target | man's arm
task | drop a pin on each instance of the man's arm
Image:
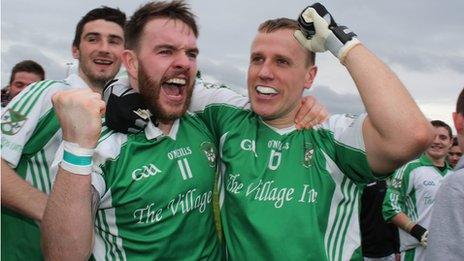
(395, 130)
(67, 227)
(127, 113)
(393, 211)
(20, 196)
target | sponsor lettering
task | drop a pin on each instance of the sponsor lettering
(148, 214)
(190, 200)
(268, 191)
(177, 153)
(309, 195)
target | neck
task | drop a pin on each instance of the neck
(165, 126)
(282, 122)
(96, 86)
(438, 162)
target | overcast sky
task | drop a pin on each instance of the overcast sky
(421, 40)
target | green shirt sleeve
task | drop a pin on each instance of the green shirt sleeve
(394, 201)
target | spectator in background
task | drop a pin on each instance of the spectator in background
(447, 222)
(22, 74)
(31, 133)
(454, 153)
(411, 194)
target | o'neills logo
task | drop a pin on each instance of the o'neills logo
(210, 152)
(308, 154)
(12, 122)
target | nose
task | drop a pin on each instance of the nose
(104, 47)
(182, 61)
(265, 72)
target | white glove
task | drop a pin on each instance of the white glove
(319, 32)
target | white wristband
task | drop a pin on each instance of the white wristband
(76, 159)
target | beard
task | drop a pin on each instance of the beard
(150, 91)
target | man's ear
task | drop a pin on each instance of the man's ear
(458, 122)
(310, 76)
(75, 52)
(130, 61)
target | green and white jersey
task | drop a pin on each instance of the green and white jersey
(30, 137)
(288, 194)
(412, 191)
(156, 194)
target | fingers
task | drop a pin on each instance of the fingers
(79, 112)
(310, 113)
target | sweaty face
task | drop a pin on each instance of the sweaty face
(440, 145)
(454, 155)
(277, 76)
(167, 66)
(99, 51)
(20, 81)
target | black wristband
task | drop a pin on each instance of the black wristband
(417, 231)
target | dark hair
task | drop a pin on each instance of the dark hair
(438, 123)
(175, 10)
(460, 103)
(105, 13)
(273, 25)
(27, 66)
(455, 141)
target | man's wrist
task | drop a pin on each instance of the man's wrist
(409, 226)
(76, 159)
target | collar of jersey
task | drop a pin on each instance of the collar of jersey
(424, 160)
(75, 81)
(282, 131)
(153, 132)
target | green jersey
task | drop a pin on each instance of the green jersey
(289, 194)
(156, 192)
(30, 137)
(412, 190)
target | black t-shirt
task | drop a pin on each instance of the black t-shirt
(378, 238)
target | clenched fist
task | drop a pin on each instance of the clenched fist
(79, 112)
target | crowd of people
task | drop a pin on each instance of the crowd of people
(159, 165)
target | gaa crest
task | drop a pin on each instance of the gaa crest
(12, 122)
(210, 152)
(308, 154)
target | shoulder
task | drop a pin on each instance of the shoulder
(109, 146)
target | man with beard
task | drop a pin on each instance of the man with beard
(151, 191)
(31, 133)
(291, 195)
(411, 194)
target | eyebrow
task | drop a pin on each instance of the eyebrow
(99, 34)
(286, 58)
(172, 47)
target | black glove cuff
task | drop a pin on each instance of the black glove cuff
(417, 231)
